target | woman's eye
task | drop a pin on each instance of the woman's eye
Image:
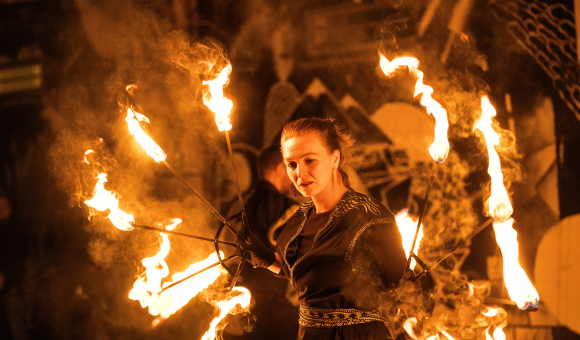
(291, 165)
(310, 161)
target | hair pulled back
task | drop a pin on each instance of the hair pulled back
(333, 136)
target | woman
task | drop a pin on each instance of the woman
(342, 250)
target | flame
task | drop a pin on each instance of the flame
(498, 333)
(214, 99)
(86, 153)
(440, 147)
(171, 300)
(148, 286)
(408, 327)
(519, 287)
(225, 307)
(104, 199)
(152, 149)
(499, 205)
(407, 228)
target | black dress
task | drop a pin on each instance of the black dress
(356, 256)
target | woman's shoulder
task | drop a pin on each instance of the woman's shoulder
(357, 205)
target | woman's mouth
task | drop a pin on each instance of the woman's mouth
(305, 184)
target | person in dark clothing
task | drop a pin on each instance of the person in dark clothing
(342, 250)
(267, 209)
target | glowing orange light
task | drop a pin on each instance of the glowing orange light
(171, 300)
(225, 307)
(214, 99)
(519, 287)
(439, 150)
(407, 228)
(498, 333)
(148, 285)
(152, 149)
(104, 199)
(499, 205)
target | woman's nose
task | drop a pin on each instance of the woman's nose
(299, 171)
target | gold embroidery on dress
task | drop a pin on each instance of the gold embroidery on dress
(324, 318)
(348, 255)
(354, 200)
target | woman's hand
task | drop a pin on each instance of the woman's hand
(260, 256)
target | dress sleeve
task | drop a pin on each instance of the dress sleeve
(378, 250)
(285, 271)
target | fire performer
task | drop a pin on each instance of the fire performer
(342, 250)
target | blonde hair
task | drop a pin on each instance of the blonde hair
(334, 137)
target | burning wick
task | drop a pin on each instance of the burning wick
(214, 99)
(152, 149)
(439, 150)
(519, 287)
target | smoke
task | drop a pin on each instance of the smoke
(129, 44)
(452, 212)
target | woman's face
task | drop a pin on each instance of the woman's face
(309, 164)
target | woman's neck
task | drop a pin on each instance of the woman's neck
(329, 198)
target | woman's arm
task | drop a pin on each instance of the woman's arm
(379, 249)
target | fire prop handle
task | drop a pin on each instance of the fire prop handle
(452, 250)
(203, 200)
(221, 218)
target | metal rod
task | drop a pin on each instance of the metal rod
(238, 272)
(452, 250)
(146, 227)
(245, 225)
(203, 200)
(529, 307)
(233, 217)
(238, 189)
(500, 301)
(410, 257)
(198, 272)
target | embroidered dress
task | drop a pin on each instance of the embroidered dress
(355, 257)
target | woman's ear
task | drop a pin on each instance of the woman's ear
(336, 159)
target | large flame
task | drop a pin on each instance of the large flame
(407, 228)
(148, 285)
(170, 301)
(440, 147)
(104, 199)
(499, 205)
(152, 149)
(225, 307)
(519, 287)
(214, 99)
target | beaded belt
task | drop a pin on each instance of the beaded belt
(323, 318)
